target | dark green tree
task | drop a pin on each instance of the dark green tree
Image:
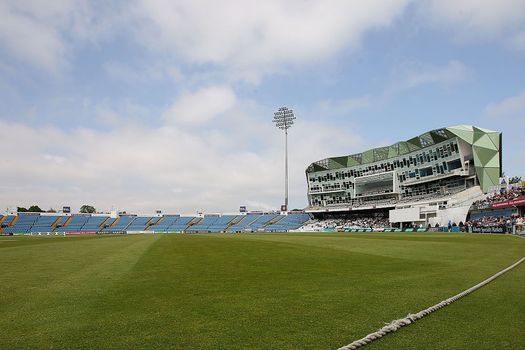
(35, 209)
(515, 180)
(21, 209)
(87, 209)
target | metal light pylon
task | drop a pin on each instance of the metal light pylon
(284, 119)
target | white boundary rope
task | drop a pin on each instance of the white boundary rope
(396, 324)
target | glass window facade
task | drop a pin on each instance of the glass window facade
(437, 163)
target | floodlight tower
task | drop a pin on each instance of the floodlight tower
(283, 119)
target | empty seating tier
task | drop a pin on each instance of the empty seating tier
(74, 224)
(140, 223)
(45, 223)
(8, 220)
(202, 225)
(120, 225)
(181, 224)
(222, 223)
(164, 223)
(87, 223)
(94, 224)
(289, 222)
(23, 224)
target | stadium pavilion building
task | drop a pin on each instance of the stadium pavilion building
(429, 179)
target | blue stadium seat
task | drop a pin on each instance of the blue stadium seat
(287, 223)
(212, 224)
(45, 223)
(120, 224)
(165, 222)
(74, 224)
(140, 223)
(8, 220)
(181, 224)
(202, 225)
(252, 223)
(94, 224)
(23, 224)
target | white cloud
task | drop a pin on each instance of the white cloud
(474, 19)
(253, 37)
(54, 158)
(29, 38)
(511, 107)
(42, 33)
(241, 39)
(201, 106)
(141, 168)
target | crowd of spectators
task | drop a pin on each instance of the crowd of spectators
(351, 223)
(491, 221)
(505, 195)
(502, 221)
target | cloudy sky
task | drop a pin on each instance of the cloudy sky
(168, 104)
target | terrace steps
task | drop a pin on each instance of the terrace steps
(150, 222)
(115, 222)
(154, 221)
(108, 223)
(237, 220)
(194, 221)
(103, 224)
(276, 220)
(67, 221)
(56, 222)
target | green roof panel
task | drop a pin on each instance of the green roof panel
(403, 148)
(467, 136)
(414, 144)
(317, 167)
(495, 138)
(426, 139)
(462, 127)
(438, 136)
(485, 146)
(357, 157)
(484, 154)
(381, 153)
(342, 161)
(486, 142)
(494, 162)
(477, 134)
(368, 156)
(493, 176)
(393, 151)
(350, 161)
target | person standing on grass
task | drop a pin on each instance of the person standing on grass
(519, 224)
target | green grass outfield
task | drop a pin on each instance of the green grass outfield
(258, 291)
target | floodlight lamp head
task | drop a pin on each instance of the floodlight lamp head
(283, 118)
